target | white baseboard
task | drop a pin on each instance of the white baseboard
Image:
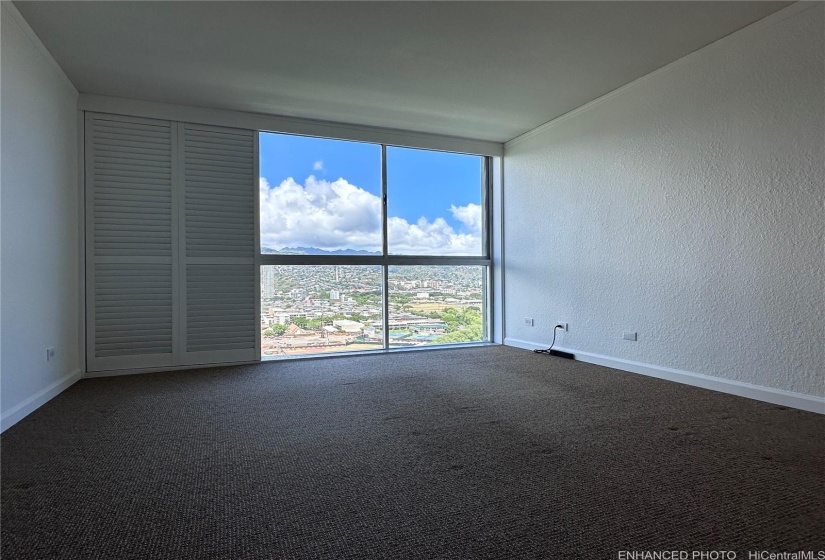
(767, 394)
(518, 343)
(20, 411)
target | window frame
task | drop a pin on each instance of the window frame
(386, 260)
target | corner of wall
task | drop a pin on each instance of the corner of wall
(9, 10)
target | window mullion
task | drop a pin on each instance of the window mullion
(487, 217)
(385, 272)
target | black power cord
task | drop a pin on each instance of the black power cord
(548, 350)
(556, 353)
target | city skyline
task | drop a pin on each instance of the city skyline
(309, 309)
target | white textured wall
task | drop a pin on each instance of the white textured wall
(39, 237)
(689, 207)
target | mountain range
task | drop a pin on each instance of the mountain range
(314, 251)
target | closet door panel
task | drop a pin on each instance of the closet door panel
(131, 242)
(219, 214)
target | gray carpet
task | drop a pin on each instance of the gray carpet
(486, 452)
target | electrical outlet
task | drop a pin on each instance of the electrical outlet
(49, 354)
(627, 335)
(528, 321)
(563, 326)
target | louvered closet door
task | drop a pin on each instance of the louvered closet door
(131, 248)
(219, 316)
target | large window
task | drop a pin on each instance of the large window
(436, 304)
(326, 308)
(434, 203)
(365, 246)
(319, 196)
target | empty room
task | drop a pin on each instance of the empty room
(334, 279)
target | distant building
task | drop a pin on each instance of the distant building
(298, 294)
(268, 282)
(334, 294)
(429, 328)
(349, 326)
(295, 330)
(411, 321)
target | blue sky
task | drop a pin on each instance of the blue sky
(426, 183)
(343, 199)
(285, 156)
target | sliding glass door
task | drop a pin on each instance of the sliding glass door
(366, 246)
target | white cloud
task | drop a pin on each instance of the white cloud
(469, 215)
(318, 165)
(429, 238)
(339, 215)
(323, 214)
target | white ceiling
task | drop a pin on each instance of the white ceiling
(483, 70)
